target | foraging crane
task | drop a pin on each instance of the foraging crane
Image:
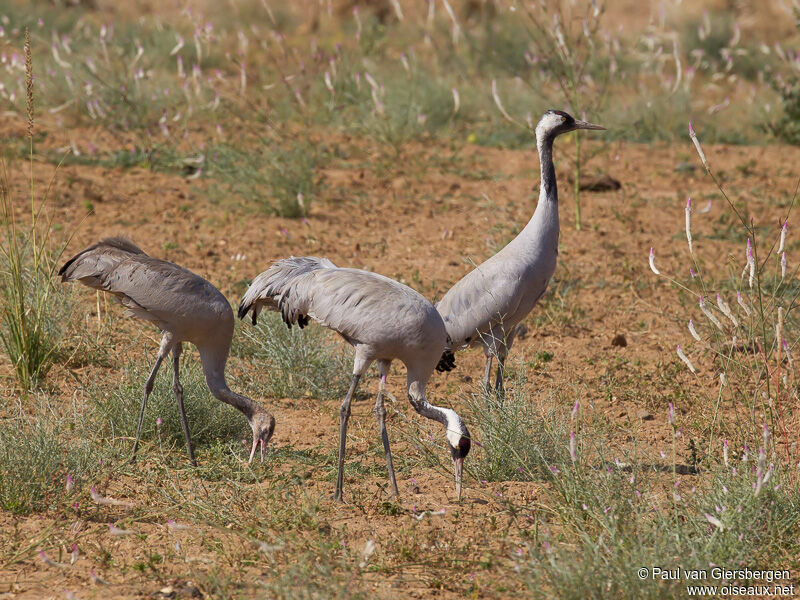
(186, 308)
(486, 305)
(382, 319)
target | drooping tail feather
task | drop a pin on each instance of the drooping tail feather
(270, 287)
(447, 362)
(91, 264)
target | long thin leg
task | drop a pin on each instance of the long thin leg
(380, 413)
(344, 415)
(178, 389)
(487, 370)
(501, 367)
(163, 351)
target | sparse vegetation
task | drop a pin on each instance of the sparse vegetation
(519, 438)
(744, 336)
(295, 363)
(31, 323)
(210, 421)
(621, 514)
(46, 460)
(224, 137)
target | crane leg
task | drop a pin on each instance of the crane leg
(487, 370)
(163, 351)
(344, 415)
(178, 389)
(380, 413)
(501, 367)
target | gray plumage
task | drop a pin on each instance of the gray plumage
(485, 307)
(381, 318)
(186, 308)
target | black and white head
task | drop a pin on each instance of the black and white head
(263, 425)
(556, 122)
(459, 442)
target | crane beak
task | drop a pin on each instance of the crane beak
(253, 450)
(257, 442)
(458, 467)
(586, 125)
(261, 436)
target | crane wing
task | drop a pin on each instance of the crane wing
(92, 264)
(150, 288)
(476, 303)
(267, 288)
(357, 304)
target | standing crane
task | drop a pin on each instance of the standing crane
(382, 319)
(186, 308)
(486, 305)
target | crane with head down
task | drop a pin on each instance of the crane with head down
(382, 319)
(186, 308)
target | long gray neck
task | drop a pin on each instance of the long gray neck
(545, 217)
(453, 425)
(428, 410)
(214, 370)
(548, 188)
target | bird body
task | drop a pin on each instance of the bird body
(186, 307)
(382, 319)
(170, 296)
(354, 303)
(486, 305)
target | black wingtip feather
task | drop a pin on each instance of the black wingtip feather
(63, 270)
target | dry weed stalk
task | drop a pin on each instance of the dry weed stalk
(747, 349)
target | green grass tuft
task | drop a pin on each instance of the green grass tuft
(38, 449)
(295, 363)
(210, 421)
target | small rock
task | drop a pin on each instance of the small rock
(619, 341)
(191, 591)
(167, 591)
(398, 184)
(644, 415)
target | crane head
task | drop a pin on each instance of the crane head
(263, 425)
(556, 122)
